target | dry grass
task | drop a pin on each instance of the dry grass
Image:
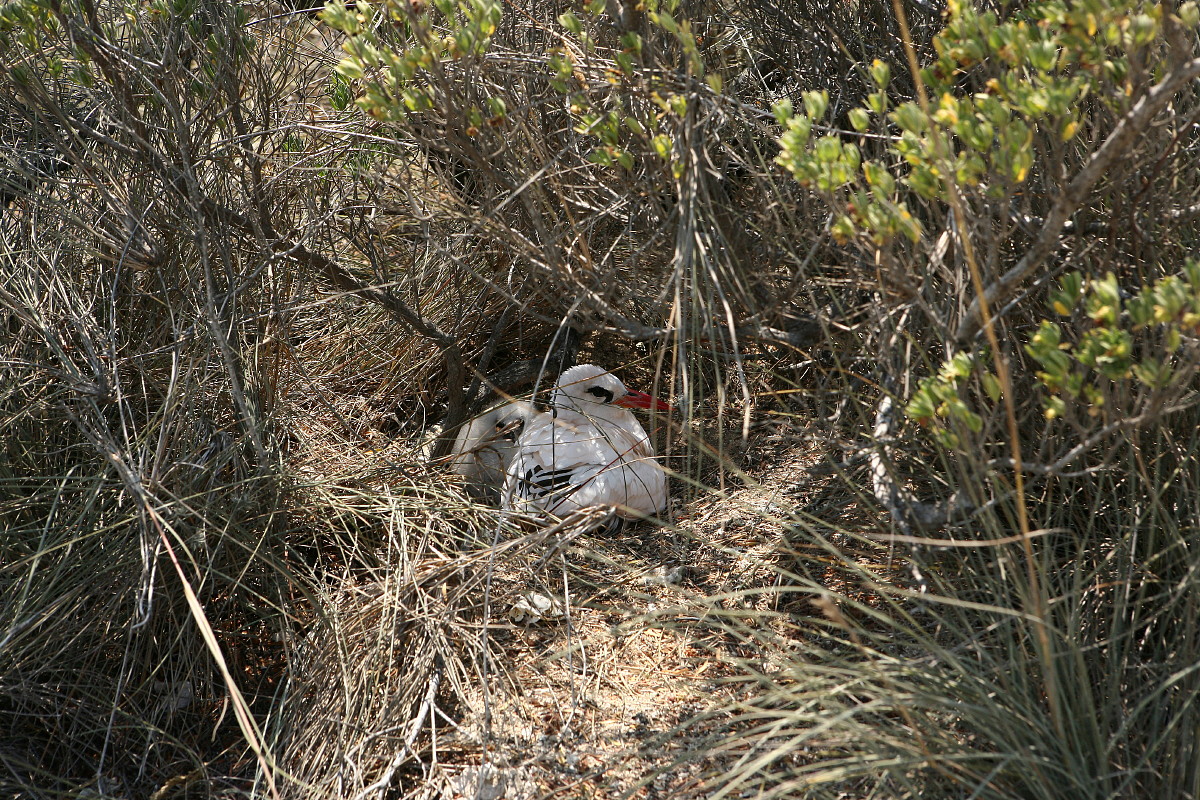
(601, 697)
(229, 332)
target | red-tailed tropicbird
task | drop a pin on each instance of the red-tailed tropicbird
(588, 450)
(485, 447)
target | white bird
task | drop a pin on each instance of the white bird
(588, 450)
(485, 447)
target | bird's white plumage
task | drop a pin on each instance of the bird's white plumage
(586, 452)
(485, 447)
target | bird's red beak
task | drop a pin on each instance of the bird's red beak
(642, 400)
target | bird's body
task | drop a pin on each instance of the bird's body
(588, 450)
(485, 447)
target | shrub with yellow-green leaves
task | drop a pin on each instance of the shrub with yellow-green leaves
(996, 83)
(397, 73)
(621, 114)
(1139, 339)
(996, 123)
(1108, 344)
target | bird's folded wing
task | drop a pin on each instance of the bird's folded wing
(636, 485)
(635, 488)
(565, 463)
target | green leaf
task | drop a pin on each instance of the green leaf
(843, 229)
(909, 117)
(879, 178)
(816, 103)
(828, 149)
(601, 156)
(991, 385)
(665, 21)
(1153, 373)
(1044, 55)
(1055, 407)
(571, 22)
(349, 68)
(1104, 300)
(1044, 344)
(959, 367)
(1191, 271)
(1189, 14)
(1174, 339)
(1064, 300)
(880, 73)
(921, 407)
(782, 109)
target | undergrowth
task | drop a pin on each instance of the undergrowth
(922, 283)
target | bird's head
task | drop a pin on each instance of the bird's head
(587, 386)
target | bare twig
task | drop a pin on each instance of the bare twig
(406, 752)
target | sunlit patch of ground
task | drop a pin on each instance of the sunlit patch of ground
(623, 693)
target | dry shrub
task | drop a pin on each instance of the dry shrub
(232, 308)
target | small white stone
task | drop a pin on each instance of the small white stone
(533, 607)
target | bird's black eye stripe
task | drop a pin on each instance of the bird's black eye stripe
(602, 393)
(509, 431)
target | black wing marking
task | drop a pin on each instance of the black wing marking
(538, 482)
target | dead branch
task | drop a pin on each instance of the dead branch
(902, 505)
